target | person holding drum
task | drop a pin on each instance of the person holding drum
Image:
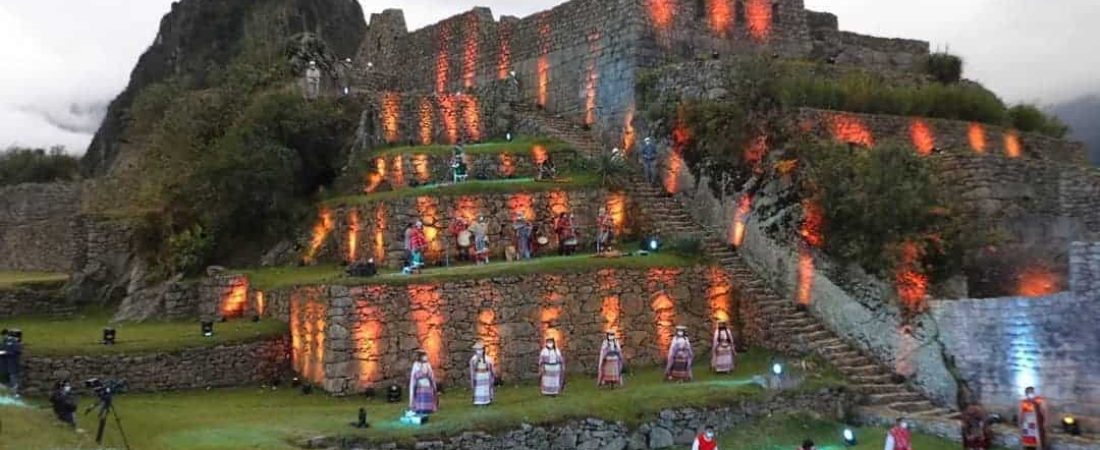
(566, 230)
(480, 230)
(463, 237)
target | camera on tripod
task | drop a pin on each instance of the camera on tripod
(105, 388)
(105, 391)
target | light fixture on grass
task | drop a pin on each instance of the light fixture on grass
(207, 328)
(849, 437)
(1071, 426)
(109, 336)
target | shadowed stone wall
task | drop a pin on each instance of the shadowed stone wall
(38, 226)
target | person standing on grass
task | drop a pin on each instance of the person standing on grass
(551, 369)
(482, 376)
(64, 403)
(649, 160)
(722, 351)
(680, 356)
(523, 236)
(898, 438)
(313, 80)
(11, 354)
(480, 229)
(415, 244)
(1033, 421)
(422, 388)
(705, 440)
(610, 366)
(605, 230)
(976, 431)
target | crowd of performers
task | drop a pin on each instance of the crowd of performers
(471, 239)
(423, 397)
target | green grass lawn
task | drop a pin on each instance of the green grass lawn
(81, 335)
(788, 432)
(473, 187)
(9, 279)
(284, 277)
(521, 144)
(275, 419)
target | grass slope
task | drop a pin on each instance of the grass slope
(568, 182)
(81, 335)
(284, 277)
(263, 418)
(11, 279)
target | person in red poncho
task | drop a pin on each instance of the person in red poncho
(898, 437)
(705, 440)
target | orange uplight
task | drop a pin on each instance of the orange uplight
(471, 117)
(611, 310)
(850, 129)
(754, 154)
(260, 303)
(1038, 282)
(1012, 145)
(470, 52)
(543, 67)
(911, 284)
(616, 207)
(391, 116)
(921, 135)
(681, 136)
(976, 134)
(295, 333)
(591, 80)
(379, 233)
(628, 130)
(504, 63)
(353, 234)
(426, 124)
(234, 302)
(308, 338)
(662, 12)
(813, 222)
(398, 170)
(719, 294)
(664, 313)
(376, 178)
(551, 313)
(448, 112)
(442, 65)
(468, 208)
(522, 203)
(538, 153)
(368, 344)
(427, 314)
(422, 168)
(321, 231)
(758, 18)
(720, 16)
(740, 217)
(559, 202)
(805, 276)
(428, 208)
(488, 333)
(507, 165)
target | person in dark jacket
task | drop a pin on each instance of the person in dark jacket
(649, 160)
(64, 402)
(12, 361)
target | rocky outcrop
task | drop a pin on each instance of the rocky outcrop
(197, 35)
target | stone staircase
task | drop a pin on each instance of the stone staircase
(536, 121)
(804, 332)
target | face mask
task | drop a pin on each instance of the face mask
(904, 426)
(424, 360)
(66, 389)
(481, 353)
(710, 435)
(1030, 396)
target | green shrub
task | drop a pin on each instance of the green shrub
(25, 165)
(944, 67)
(1029, 118)
(685, 245)
(611, 170)
(189, 250)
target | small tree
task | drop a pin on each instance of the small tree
(1030, 118)
(944, 67)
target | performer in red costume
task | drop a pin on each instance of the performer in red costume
(898, 437)
(1033, 421)
(705, 440)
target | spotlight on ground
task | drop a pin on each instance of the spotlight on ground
(207, 328)
(849, 437)
(777, 369)
(307, 389)
(108, 336)
(295, 382)
(508, 137)
(393, 394)
(1071, 426)
(651, 244)
(412, 418)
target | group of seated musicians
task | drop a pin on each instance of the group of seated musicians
(460, 170)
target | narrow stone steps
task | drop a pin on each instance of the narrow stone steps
(917, 407)
(878, 389)
(890, 398)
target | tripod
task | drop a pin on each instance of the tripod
(106, 406)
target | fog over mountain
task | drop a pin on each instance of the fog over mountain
(1083, 116)
(65, 59)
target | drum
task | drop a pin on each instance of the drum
(543, 240)
(571, 242)
(465, 239)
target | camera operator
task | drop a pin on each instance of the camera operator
(64, 402)
(10, 355)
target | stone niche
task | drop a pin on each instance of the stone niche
(377, 229)
(350, 338)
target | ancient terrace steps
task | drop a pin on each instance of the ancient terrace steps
(801, 330)
(537, 121)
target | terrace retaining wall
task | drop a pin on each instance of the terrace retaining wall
(39, 299)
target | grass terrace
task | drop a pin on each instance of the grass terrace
(274, 278)
(14, 279)
(524, 143)
(277, 418)
(81, 335)
(569, 182)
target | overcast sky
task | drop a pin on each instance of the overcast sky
(66, 59)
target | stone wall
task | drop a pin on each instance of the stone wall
(350, 338)
(671, 427)
(947, 135)
(197, 368)
(39, 299)
(380, 226)
(866, 51)
(38, 223)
